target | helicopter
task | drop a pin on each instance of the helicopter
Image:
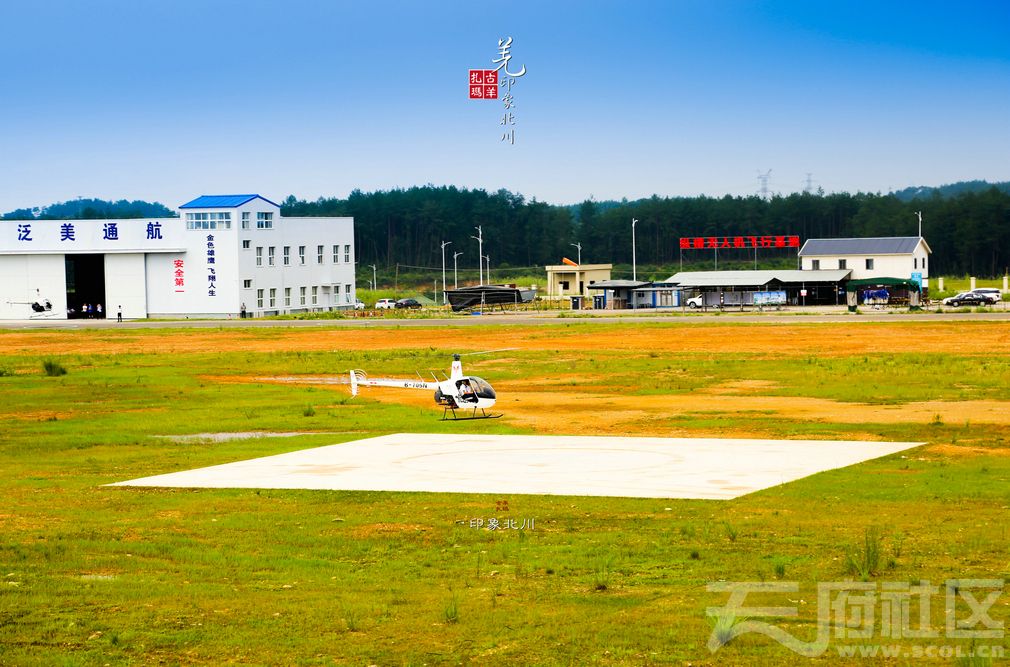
(41, 308)
(467, 393)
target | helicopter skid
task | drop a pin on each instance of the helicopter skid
(473, 415)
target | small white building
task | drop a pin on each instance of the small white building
(885, 257)
(223, 252)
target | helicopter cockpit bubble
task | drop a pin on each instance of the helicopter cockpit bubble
(481, 387)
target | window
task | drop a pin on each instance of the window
(923, 263)
(347, 293)
(246, 243)
(815, 265)
(259, 255)
(264, 220)
(245, 220)
(869, 263)
(271, 251)
(259, 298)
(319, 254)
(301, 293)
(564, 285)
(915, 262)
(287, 296)
(287, 255)
(347, 254)
(841, 264)
(336, 254)
(208, 221)
(273, 297)
(315, 295)
(247, 284)
(301, 255)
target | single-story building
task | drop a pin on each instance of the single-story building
(738, 287)
(575, 279)
(621, 294)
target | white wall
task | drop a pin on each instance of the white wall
(295, 232)
(884, 266)
(125, 285)
(28, 278)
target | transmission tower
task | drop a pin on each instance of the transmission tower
(808, 186)
(763, 180)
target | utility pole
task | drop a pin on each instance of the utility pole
(579, 246)
(444, 244)
(374, 286)
(634, 263)
(455, 280)
(480, 252)
(919, 213)
(487, 274)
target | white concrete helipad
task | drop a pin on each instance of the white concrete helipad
(554, 465)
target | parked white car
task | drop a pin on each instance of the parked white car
(991, 293)
(383, 304)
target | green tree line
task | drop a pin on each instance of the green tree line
(968, 229)
(969, 232)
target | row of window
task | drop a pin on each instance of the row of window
(302, 292)
(843, 264)
(223, 220)
(263, 220)
(208, 220)
(320, 254)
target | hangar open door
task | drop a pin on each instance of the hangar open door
(85, 285)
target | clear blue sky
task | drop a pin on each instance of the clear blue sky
(168, 100)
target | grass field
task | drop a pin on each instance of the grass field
(99, 575)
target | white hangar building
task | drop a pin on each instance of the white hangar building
(222, 252)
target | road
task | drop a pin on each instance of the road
(811, 314)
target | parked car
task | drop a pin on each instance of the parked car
(991, 293)
(383, 304)
(966, 299)
(408, 303)
(696, 301)
(359, 305)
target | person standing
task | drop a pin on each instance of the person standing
(119, 313)
(242, 312)
(98, 311)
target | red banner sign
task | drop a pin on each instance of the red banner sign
(730, 242)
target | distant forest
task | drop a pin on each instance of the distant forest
(969, 232)
(966, 224)
(92, 209)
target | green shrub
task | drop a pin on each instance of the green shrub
(53, 368)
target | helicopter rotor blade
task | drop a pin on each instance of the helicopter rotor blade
(504, 349)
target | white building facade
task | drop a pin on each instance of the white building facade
(905, 257)
(223, 255)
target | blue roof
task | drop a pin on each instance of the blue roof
(223, 201)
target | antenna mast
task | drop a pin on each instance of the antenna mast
(763, 180)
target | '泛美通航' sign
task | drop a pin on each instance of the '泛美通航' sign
(729, 242)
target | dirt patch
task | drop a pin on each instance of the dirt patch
(956, 451)
(225, 437)
(842, 338)
(385, 529)
(739, 387)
